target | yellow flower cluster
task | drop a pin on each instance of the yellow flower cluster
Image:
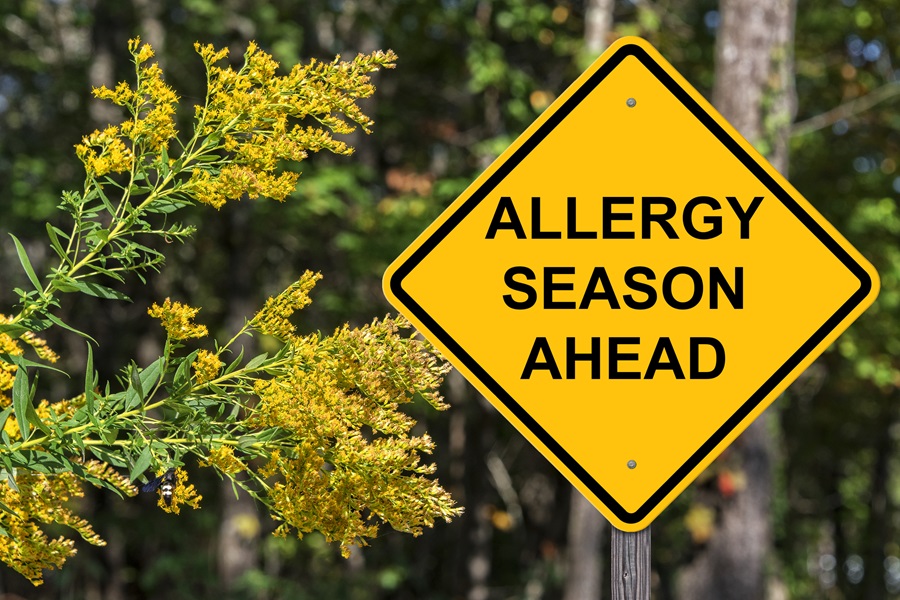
(253, 109)
(337, 480)
(206, 366)
(224, 460)
(8, 345)
(385, 365)
(307, 500)
(176, 319)
(152, 104)
(43, 351)
(50, 413)
(39, 498)
(154, 122)
(104, 472)
(183, 493)
(235, 180)
(275, 316)
(104, 152)
(142, 53)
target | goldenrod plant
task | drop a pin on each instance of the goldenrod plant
(314, 432)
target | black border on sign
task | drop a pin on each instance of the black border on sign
(865, 282)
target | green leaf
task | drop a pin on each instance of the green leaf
(133, 394)
(257, 360)
(37, 323)
(100, 291)
(183, 372)
(54, 234)
(108, 457)
(142, 381)
(167, 206)
(40, 461)
(13, 330)
(26, 264)
(110, 436)
(21, 400)
(65, 284)
(52, 464)
(5, 415)
(106, 202)
(9, 476)
(246, 440)
(267, 435)
(164, 162)
(141, 464)
(150, 375)
(236, 362)
(5, 508)
(89, 383)
(23, 362)
(31, 413)
(111, 274)
(97, 237)
(57, 321)
(77, 441)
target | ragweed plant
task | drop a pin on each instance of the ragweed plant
(314, 432)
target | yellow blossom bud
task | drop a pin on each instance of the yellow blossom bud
(206, 366)
(176, 319)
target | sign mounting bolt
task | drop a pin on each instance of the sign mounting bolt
(631, 102)
(632, 464)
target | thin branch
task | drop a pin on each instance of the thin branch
(846, 110)
(504, 485)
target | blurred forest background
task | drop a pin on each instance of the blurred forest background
(805, 505)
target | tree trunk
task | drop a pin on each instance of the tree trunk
(732, 566)
(598, 20)
(237, 549)
(878, 526)
(150, 28)
(754, 92)
(239, 535)
(584, 555)
(754, 87)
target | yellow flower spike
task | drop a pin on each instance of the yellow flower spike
(182, 493)
(224, 460)
(252, 107)
(155, 108)
(113, 155)
(274, 318)
(176, 320)
(336, 480)
(106, 473)
(144, 54)
(209, 54)
(206, 366)
(40, 499)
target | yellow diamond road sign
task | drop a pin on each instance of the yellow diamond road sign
(631, 283)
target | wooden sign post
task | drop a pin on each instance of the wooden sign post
(630, 564)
